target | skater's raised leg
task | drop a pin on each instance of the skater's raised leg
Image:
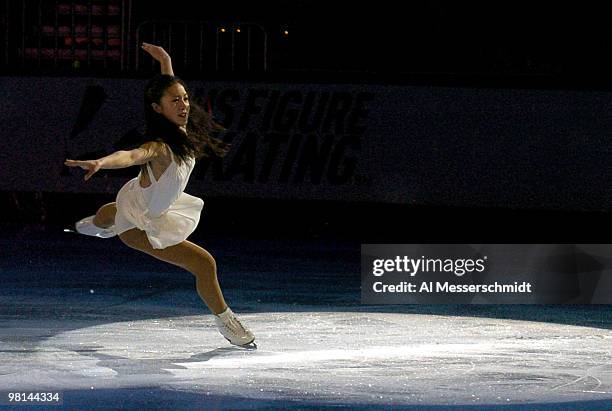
(100, 224)
(105, 217)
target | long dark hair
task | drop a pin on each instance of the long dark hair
(201, 139)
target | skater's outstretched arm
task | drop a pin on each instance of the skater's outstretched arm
(120, 159)
(159, 54)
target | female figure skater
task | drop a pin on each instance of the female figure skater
(152, 213)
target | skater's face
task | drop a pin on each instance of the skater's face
(174, 105)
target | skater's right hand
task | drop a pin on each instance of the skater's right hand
(92, 166)
(158, 53)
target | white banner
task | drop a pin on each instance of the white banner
(410, 145)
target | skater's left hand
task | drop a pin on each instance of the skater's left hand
(92, 166)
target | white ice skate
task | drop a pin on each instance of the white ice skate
(87, 227)
(233, 330)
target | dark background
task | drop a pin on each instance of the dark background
(517, 43)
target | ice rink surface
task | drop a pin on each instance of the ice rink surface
(110, 328)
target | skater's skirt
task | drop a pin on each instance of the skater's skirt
(170, 228)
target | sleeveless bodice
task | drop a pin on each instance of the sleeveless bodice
(163, 210)
(162, 193)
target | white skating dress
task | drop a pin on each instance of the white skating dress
(166, 214)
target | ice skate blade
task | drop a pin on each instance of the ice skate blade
(248, 346)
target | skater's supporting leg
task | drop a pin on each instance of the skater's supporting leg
(189, 256)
